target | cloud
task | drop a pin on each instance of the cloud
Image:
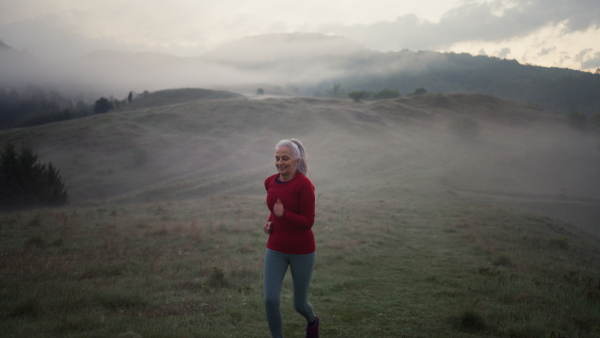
(580, 14)
(582, 54)
(546, 51)
(588, 59)
(52, 38)
(44, 37)
(503, 53)
(592, 62)
(474, 21)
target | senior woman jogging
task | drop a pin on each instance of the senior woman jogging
(291, 200)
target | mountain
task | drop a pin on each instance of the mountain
(560, 90)
(181, 144)
(311, 65)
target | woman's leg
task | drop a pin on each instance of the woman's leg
(302, 268)
(276, 264)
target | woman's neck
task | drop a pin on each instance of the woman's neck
(287, 178)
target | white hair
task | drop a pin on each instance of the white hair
(298, 152)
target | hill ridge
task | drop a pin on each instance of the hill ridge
(177, 96)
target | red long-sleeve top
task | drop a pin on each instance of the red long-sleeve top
(292, 232)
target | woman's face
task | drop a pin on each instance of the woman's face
(285, 162)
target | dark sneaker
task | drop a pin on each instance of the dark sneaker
(312, 329)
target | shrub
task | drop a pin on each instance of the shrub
(26, 182)
(419, 91)
(102, 105)
(472, 321)
(358, 95)
(217, 278)
(387, 94)
(502, 260)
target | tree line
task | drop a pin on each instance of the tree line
(34, 106)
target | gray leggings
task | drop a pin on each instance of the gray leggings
(276, 264)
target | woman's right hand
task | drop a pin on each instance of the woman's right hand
(268, 227)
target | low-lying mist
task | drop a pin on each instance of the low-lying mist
(432, 147)
(277, 60)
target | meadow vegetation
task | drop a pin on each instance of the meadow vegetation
(423, 229)
(385, 266)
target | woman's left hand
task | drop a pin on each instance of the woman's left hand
(278, 208)
(268, 228)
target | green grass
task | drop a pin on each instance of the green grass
(385, 267)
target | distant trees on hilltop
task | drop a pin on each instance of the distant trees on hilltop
(102, 105)
(25, 108)
(359, 95)
(33, 106)
(338, 92)
(419, 91)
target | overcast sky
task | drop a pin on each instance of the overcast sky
(551, 33)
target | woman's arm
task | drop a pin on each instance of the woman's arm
(306, 218)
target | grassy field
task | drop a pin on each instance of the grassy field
(386, 267)
(423, 230)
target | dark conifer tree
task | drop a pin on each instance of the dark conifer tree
(24, 181)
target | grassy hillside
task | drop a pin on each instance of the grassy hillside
(190, 143)
(440, 215)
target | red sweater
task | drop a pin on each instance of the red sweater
(292, 232)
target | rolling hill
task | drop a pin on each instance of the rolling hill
(186, 143)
